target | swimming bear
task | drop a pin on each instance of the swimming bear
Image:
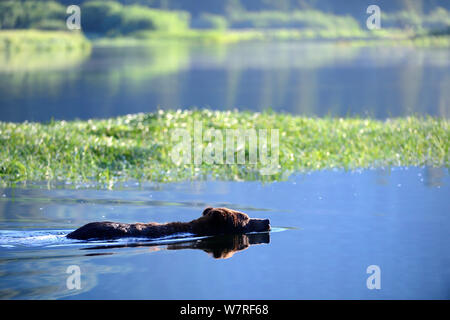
(214, 221)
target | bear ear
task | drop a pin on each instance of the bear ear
(206, 211)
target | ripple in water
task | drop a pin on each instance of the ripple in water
(56, 238)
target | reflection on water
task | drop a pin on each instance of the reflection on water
(433, 176)
(335, 225)
(300, 78)
(224, 247)
(430, 176)
(20, 62)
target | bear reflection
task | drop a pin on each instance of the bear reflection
(218, 247)
(224, 246)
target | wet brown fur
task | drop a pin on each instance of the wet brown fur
(213, 221)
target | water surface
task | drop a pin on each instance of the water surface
(312, 79)
(328, 227)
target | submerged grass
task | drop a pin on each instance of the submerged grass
(139, 146)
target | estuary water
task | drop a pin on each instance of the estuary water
(328, 228)
(311, 79)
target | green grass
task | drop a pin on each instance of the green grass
(138, 146)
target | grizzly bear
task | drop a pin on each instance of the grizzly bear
(214, 221)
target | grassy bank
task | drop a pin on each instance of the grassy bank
(41, 42)
(139, 146)
(349, 37)
(232, 36)
(420, 41)
(13, 41)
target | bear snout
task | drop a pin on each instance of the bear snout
(258, 225)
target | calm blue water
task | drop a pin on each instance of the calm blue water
(313, 79)
(329, 226)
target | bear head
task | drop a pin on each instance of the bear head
(227, 221)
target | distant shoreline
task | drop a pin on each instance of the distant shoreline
(39, 41)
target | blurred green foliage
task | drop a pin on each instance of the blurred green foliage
(136, 19)
(308, 19)
(437, 19)
(103, 17)
(112, 18)
(32, 14)
(210, 21)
